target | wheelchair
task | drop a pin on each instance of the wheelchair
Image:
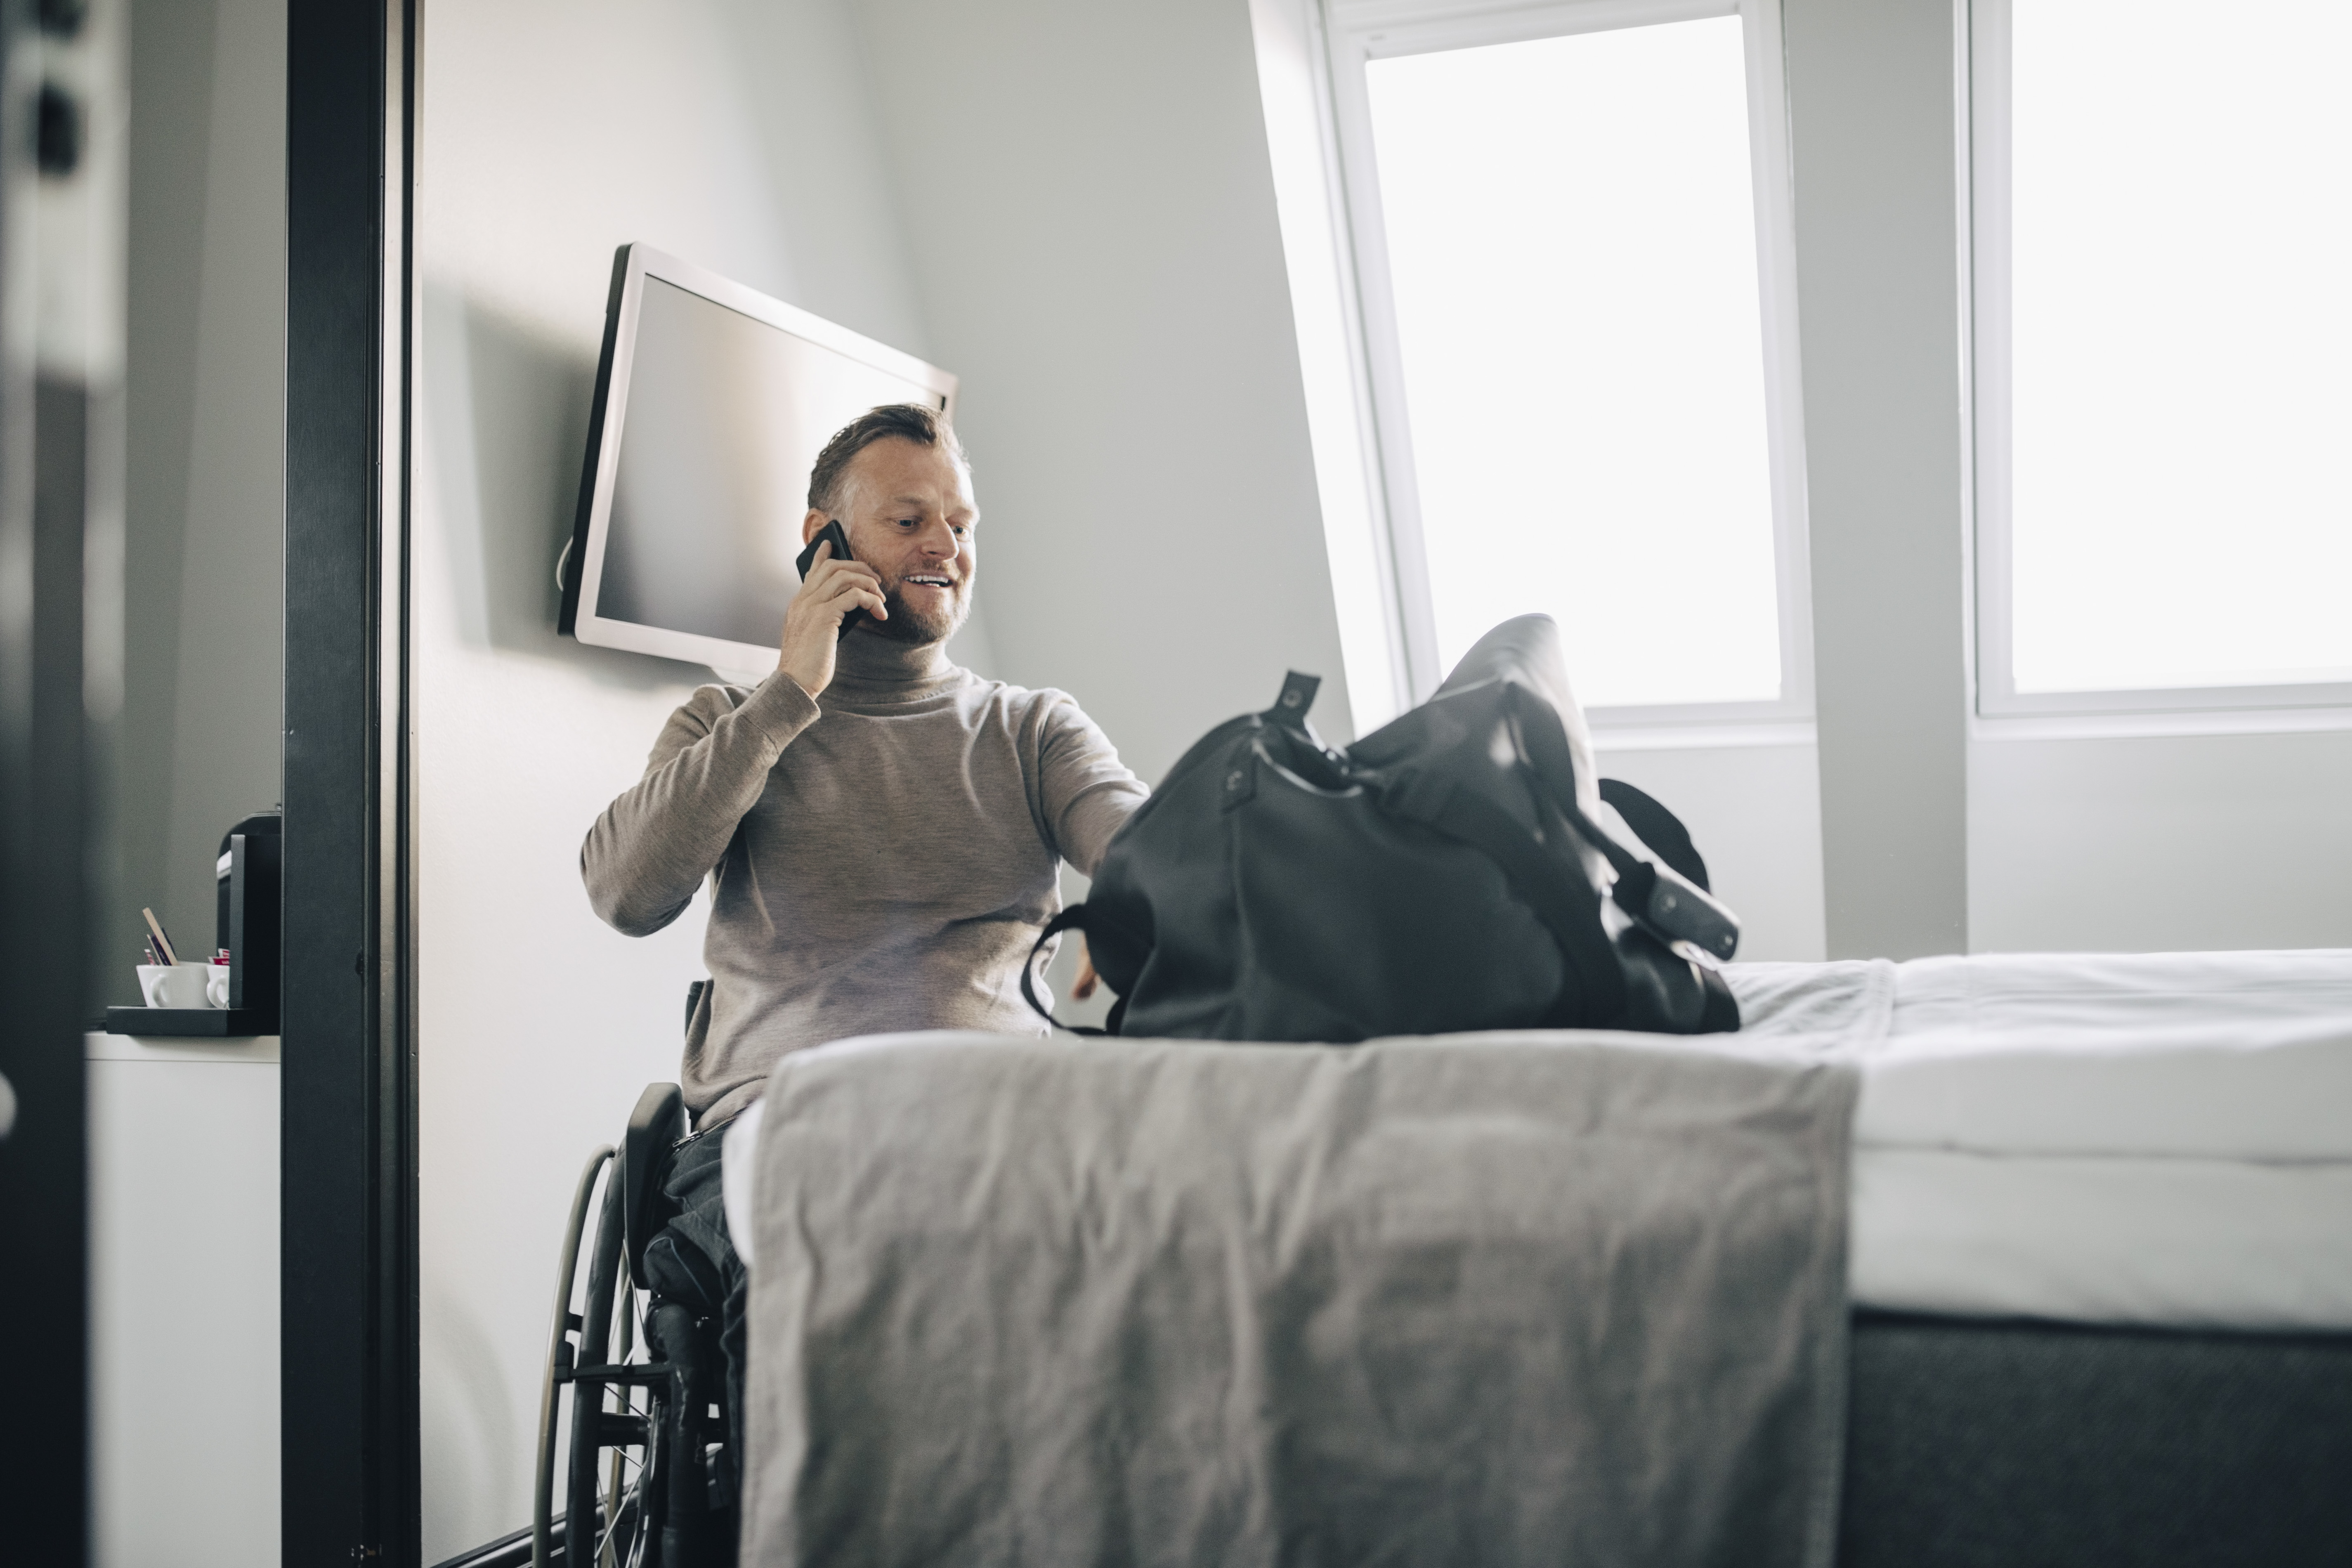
(648, 1479)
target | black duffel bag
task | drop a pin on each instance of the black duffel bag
(1455, 869)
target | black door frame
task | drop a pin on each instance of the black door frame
(347, 1284)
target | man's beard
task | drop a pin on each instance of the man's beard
(918, 628)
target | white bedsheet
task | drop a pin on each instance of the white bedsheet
(2243, 1056)
(2158, 1139)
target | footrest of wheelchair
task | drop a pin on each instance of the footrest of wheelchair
(637, 1373)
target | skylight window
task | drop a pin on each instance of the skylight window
(2163, 341)
(1569, 325)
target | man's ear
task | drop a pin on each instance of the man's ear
(811, 523)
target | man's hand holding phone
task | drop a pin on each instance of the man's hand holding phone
(831, 589)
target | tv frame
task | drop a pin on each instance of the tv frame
(582, 571)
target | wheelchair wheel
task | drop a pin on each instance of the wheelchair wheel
(637, 1491)
(615, 1437)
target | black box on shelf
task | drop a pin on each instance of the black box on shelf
(248, 902)
(245, 915)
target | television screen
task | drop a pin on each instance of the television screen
(712, 402)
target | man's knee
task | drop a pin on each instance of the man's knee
(691, 1258)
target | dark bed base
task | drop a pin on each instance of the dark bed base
(2015, 1444)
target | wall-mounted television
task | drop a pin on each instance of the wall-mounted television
(712, 402)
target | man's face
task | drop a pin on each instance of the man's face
(908, 513)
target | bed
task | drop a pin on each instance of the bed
(2096, 1243)
(2101, 1254)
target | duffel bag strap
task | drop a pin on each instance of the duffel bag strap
(1594, 986)
(1072, 919)
(1676, 910)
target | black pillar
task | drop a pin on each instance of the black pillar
(348, 1277)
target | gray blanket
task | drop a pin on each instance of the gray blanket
(1494, 1300)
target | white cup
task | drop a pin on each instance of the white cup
(217, 985)
(177, 985)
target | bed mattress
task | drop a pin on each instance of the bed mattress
(2161, 1139)
(2158, 1139)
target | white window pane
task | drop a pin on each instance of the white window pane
(2182, 206)
(1571, 235)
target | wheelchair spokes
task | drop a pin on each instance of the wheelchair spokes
(650, 1503)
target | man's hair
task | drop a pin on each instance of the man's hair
(908, 421)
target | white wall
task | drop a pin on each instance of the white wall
(2161, 843)
(204, 447)
(554, 130)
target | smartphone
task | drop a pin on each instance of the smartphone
(831, 532)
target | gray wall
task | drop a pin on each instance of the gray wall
(204, 431)
(1871, 116)
(2161, 843)
(1754, 813)
(1094, 238)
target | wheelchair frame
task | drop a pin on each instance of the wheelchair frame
(656, 1510)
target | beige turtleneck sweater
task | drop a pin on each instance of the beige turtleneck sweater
(881, 857)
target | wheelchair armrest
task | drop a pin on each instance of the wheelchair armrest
(658, 1121)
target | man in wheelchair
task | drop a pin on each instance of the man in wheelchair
(881, 830)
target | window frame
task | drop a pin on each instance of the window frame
(2220, 707)
(1357, 31)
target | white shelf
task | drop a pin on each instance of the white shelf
(183, 1274)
